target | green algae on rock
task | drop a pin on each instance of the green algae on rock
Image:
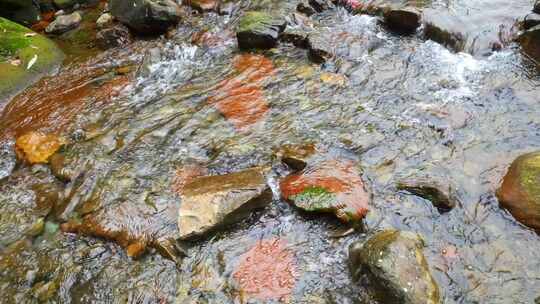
(259, 30)
(520, 190)
(330, 186)
(399, 271)
(25, 56)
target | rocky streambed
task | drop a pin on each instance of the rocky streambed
(269, 151)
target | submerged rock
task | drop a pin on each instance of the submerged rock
(295, 156)
(25, 56)
(26, 198)
(35, 147)
(438, 190)
(267, 271)
(396, 266)
(213, 201)
(530, 43)
(64, 23)
(115, 36)
(331, 186)
(320, 48)
(259, 30)
(520, 190)
(444, 28)
(146, 16)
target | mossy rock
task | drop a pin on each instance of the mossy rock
(520, 190)
(16, 41)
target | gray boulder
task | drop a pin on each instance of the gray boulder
(64, 23)
(146, 16)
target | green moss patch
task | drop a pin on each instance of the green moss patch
(19, 42)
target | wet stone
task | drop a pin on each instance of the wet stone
(403, 20)
(396, 268)
(531, 20)
(204, 5)
(215, 201)
(259, 30)
(295, 36)
(444, 28)
(320, 48)
(8, 159)
(530, 43)
(64, 23)
(439, 190)
(26, 198)
(296, 156)
(104, 20)
(536, 7)
(146, 16)
(321, 5)
(330, 186)
(115, 36)
(520, 190)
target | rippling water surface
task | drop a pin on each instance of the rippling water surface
(396, 105)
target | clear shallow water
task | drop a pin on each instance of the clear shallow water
(397, 105)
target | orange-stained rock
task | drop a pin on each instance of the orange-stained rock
(520, 190)
(240, 99)
(329, 186)
(267, 271)
(51, 105)
(35, 147)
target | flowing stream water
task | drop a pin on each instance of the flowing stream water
(397, 104)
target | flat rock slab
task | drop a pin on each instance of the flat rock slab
(213, 201)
